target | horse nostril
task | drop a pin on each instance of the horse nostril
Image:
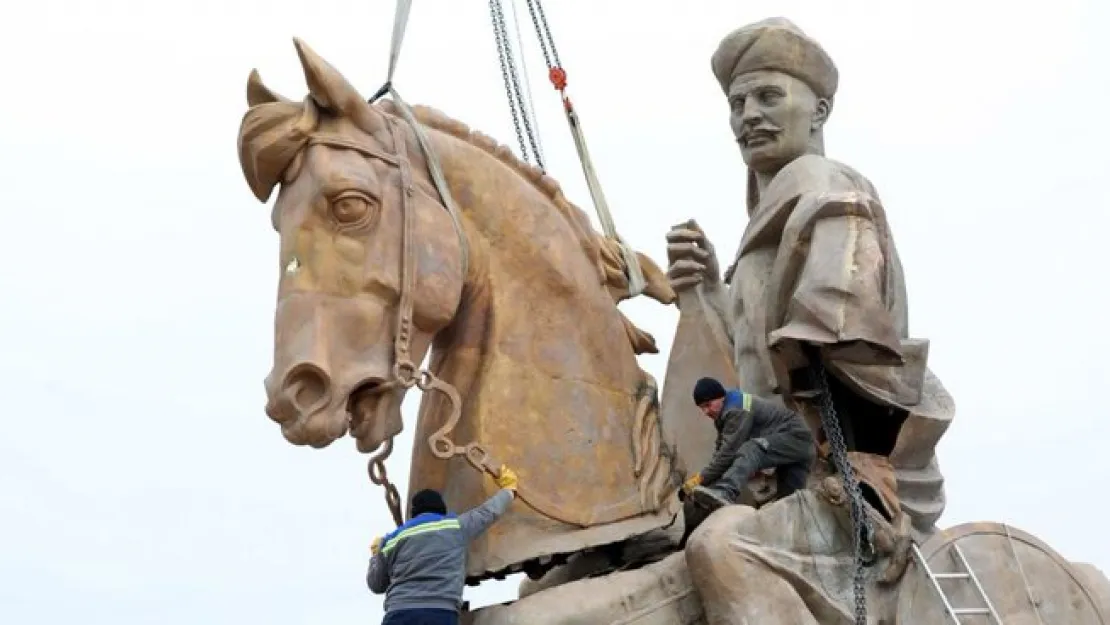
(307, 390)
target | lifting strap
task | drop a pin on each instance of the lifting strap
(558, 77)
(400, 23)
(425, 380)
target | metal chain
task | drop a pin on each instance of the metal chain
(544, 32)
(512, 85)
(501, 57)
(863, 533)
(515, 75)
(379, 476)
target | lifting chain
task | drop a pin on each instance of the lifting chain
(863, 534)
(512, 86)
(547, 43)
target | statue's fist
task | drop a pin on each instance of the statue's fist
(691, 257)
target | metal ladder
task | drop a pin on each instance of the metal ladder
(953, 612)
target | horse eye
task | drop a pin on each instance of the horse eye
(351, 208)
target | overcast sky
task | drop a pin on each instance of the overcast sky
(140, 480)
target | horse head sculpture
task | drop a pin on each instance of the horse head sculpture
(513, 292)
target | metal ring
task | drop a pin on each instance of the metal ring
(406, 373)
(441, 447)
(479, 457)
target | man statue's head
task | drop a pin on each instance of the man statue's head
(780, 86)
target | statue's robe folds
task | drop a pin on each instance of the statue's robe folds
(788, 563)
(817, 264)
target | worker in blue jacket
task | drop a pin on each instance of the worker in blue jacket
(752, 434)
(421, 565)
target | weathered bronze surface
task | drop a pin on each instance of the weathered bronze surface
(530, 335)
(514, 297)
(816, 265)
(1028, 582)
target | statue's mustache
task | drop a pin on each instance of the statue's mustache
(760, 131)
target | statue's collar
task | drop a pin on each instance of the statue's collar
(768, 211)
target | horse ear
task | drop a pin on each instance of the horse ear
(258, 93)
(331, 90)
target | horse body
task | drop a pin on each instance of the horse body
(528, 333)
(543, 362)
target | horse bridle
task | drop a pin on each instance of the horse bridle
(405, 372)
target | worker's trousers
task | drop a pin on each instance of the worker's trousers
(421, 616)
(790, 453)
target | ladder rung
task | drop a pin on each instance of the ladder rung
(971, 611)
(951, 575)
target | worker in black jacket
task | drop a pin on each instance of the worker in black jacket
(752, 434)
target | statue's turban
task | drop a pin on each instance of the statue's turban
(775, 44)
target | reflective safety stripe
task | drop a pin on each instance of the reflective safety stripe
(446, 524)
(747, 402)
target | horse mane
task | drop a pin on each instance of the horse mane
(604, 253)
(273, 134)
(438, 120)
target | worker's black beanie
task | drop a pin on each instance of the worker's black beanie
(428, 500)
(707, 389)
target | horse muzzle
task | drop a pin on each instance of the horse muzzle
(332, 367)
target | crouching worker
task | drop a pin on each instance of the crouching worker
(752, 434)
(421, 565)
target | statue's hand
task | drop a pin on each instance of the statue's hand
(691, 257)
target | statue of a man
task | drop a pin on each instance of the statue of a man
(816, 275)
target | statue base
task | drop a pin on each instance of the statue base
(790, 563)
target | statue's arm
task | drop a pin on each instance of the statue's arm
(694, 272)
(838, 289)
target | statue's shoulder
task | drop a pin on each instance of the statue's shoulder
(818, 174)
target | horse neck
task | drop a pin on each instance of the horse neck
(534, 298)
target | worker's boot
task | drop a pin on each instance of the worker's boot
(726, 490)
(713, 497)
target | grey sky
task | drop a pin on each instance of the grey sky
(140, 481)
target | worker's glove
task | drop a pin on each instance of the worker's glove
(507, 479)
(693, 482)
(376, 545)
